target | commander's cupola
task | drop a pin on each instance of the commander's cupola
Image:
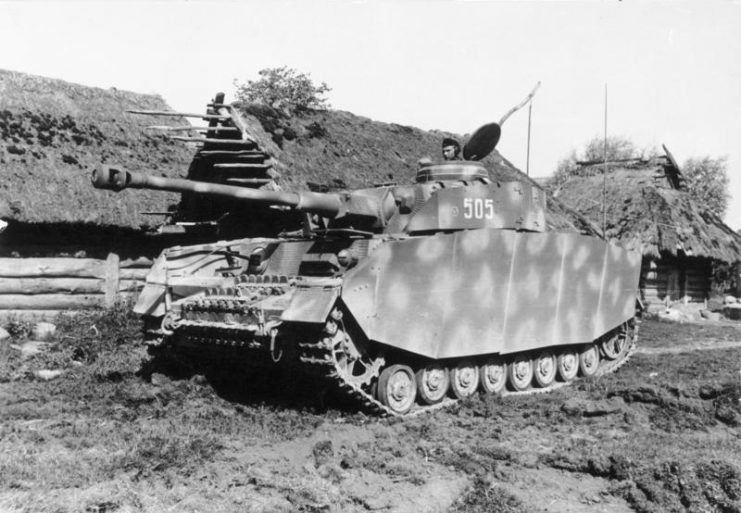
(466, 170)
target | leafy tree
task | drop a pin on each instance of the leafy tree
(707, 180)
(285, 89)
(618, 148)
(706, 177)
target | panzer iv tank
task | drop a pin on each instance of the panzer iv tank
(402, 296)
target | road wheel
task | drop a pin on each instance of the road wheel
(520, 372)
(614, 344)
(589, 360)
(464, 379)
(568, 365)
(397, 388)
(493, 375)
(545, 369)
(433, 382)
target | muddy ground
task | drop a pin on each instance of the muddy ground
(115, 433)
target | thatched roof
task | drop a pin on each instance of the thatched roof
(54, 133)
(645, 212)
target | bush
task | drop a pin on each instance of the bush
(285, 89)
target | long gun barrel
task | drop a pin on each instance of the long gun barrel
(117, 179)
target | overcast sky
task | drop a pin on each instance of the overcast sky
(672, 69)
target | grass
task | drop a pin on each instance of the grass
(109, 436)
(485, 498)
(102, 425)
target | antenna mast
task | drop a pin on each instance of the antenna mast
(529, 117)
(604, 174)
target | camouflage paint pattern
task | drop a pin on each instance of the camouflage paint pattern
(491, 291)
(461, 268)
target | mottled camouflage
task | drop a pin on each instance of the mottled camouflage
(491, 291)
(450, 268)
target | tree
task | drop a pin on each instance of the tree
(707, 180)
(705, 177)
(618, 148)
(285, 89)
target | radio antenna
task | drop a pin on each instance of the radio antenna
(529, 117)
(604, 174)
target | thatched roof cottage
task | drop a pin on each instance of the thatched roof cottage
(647, 208)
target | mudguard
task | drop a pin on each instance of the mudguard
(310, 305)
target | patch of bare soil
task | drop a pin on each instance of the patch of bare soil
(662, 434)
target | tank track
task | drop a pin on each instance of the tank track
(318, 356)
(316, 359)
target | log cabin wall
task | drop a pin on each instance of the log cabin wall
(40, 288)
(671, 279)
(48, 268)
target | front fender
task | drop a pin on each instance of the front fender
(310, 305)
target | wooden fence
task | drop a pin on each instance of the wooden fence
(43, 287)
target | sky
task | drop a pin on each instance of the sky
(670, 71)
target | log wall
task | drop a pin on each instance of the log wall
(675, 279)
(43, 287)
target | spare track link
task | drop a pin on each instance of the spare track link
(318, 357)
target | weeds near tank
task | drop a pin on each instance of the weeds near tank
(158, 452)
(485, 498)
(19, 329)
(92, 334)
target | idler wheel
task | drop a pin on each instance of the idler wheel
(493, 375)
(397, 388)
(614, 344)
(464, 379)
(520, 372)
(433, 382)
(568, 365)
(589, 360)
(545, 369)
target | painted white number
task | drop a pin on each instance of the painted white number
(478, 208)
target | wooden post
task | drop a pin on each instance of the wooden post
(672, 284)
(111, 279)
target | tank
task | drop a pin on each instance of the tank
(403, 297)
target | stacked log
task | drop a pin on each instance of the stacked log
(43, 287)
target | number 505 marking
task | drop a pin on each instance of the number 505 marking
(478, 208)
